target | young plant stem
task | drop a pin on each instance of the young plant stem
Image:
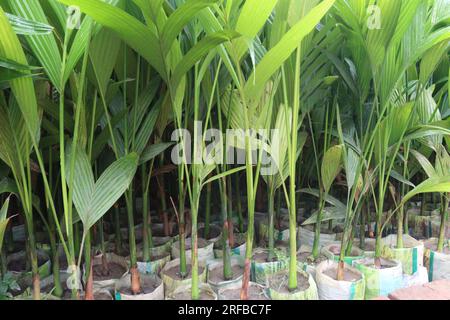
(292, 284)
(135, 279)
(317, 228)
(239, 206)
(89, 290)
(182, 232)
(206, 229)
(271, 244)
(145, 216)
(34, 261)
(226, 252)
(118, 233)
(230, 224)
(58, 291)
(444, 218)
(400, 214)
(362, 224)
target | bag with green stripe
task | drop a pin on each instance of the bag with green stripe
(380, 282)
(261, 270)
(437, 263)
(411, 255)
(351, 288)
(332, 252)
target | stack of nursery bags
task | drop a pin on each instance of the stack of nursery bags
(404, 267)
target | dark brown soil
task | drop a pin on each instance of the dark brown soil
(159, 232)
(260, 257)
(116, 271)
(149, 286)
(254, 293)
(63, 263)
(214, 232)
(349, 275)
(174, 272)
(279, 282)
(160, 241)
(20, 265)
(216, 275)
(306, 257)
(201, 243)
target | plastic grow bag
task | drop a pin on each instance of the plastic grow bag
(146, 280)
(331, 289)
(380, 282)
(204, 289)
(332, 252)
(153, 266)
(170, 284)
(216, 286)
(437, 263)
(411, 255)
(239, 250)
(262, 295)
(309, 294)
(109, 283)
(261, 270)
(204, 254)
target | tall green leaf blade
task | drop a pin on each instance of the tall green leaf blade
(83, 182)
(331, 165)
(273, 60)
(202, 48)
(3, 221)
(153, 150)
(23, 88)
(177, 20)
(252, 18)
(431, 185)
(104, 52)
(43, 46)
(28, 27)
(129, 29)
(111, 186)
(8, 185)
(425, 163)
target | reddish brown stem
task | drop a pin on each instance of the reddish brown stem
(135, 281)
(36, 287)
(245, 280)
(89, 294)
(340, 271)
